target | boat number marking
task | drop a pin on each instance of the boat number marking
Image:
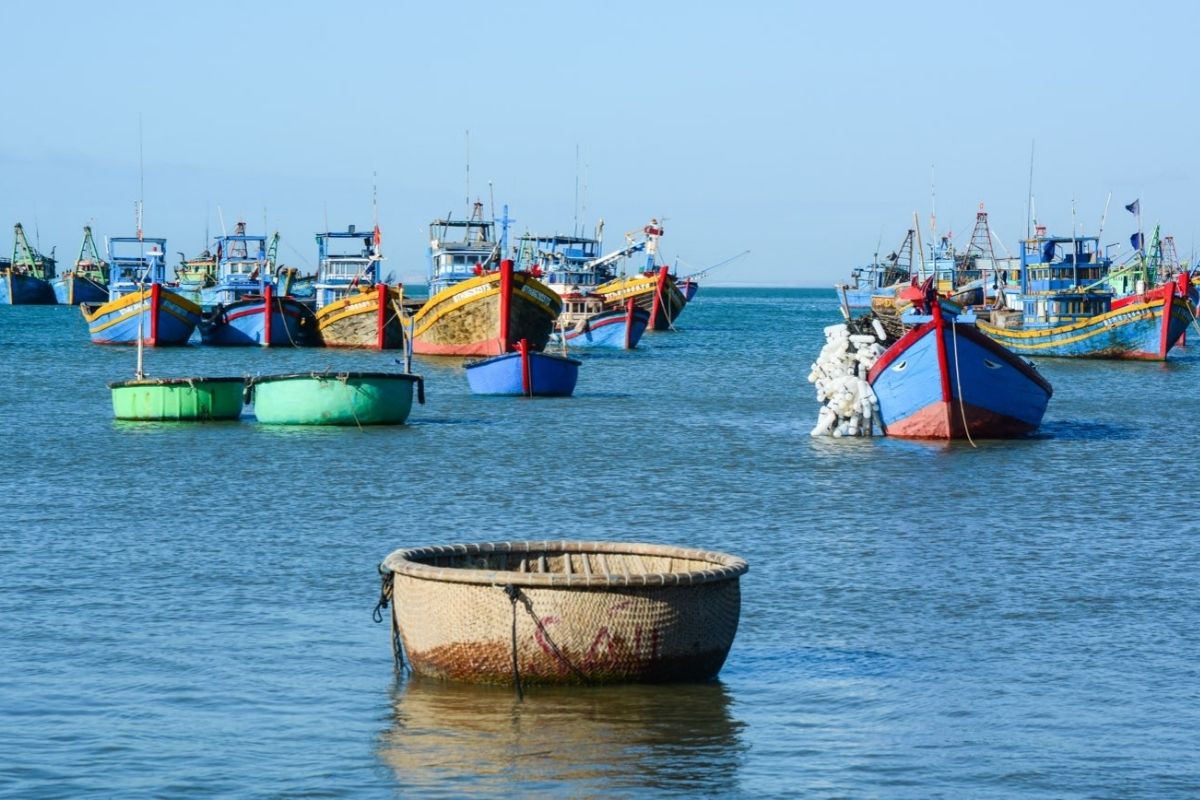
(458, 298)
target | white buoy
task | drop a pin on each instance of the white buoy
(839, 375)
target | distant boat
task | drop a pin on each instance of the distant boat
(136, 292)
(247, 310)
(87, 281)
(475, 309)
(353, 308)
(25, 280)
(524, 372)
(196, 275)
(585, 322)
(880, 278)
(1065, 306)
(653, 289)
(335, 398)
(944, 380)
(688, 287)
(573, 269)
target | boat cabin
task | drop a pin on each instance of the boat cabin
(460, 249)
(346, 260)
(243, 266)
(135, 262)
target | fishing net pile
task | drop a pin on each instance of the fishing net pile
(849, 405)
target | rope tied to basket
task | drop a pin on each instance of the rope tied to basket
(385, 599)
(514, 594)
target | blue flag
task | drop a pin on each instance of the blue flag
(1134, 207)
(1137, 240)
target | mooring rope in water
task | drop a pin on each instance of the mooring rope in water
(512, 592)
(962, 408)
(385, 599)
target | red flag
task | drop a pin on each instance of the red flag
(378, 236)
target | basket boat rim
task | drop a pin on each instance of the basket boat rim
(407, 562)
(334, 376)
(147, 381)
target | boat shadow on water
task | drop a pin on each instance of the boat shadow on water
(587, 741)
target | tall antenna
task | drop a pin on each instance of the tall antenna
(932, 205)
(468, 171)
(492, 200)
(576, 226)
(141, 194)
(1029, 212)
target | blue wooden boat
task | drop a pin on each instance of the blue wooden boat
(25, 279)
(574, 268)
(1065, 306)
(525, 372)
(87, 280)
(136, 292)
(584, 322)
(944, 380)
(246, 309)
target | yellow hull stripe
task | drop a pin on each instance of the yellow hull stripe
(1063, 329)
(436, 307)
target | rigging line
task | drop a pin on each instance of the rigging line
(958, 379)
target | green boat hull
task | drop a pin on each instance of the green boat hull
(335, 398)
(177, 399)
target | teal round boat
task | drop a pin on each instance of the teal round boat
(335, 398)
(177, 399)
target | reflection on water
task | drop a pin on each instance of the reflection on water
(679, 738)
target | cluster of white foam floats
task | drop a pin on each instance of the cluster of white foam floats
(840, 376)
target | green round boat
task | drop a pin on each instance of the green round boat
(335, 398)
(177, 399)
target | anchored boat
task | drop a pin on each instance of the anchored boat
(525, 372)
(335, 398)
(353, 308)
(87, 281)
(246, 309)
(573, 270)
(196, 275)
(1066, 306)
(653, 289)
(944, 380)
(563, 612)
(25, 280)
(138, 298)
(474, 309)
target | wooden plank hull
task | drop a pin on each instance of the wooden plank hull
(656, 293)
(245, 324)
(71, 289)
(166, 318)
(356, 320)
(20, 289)
(465, 319)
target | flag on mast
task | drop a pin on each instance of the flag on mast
(1135, 207)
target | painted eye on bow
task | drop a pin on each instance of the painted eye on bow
(900, 367)
(990, 364)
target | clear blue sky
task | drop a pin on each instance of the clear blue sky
(805, 132)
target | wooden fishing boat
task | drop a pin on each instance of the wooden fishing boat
(247, 309)
(1066, 307)
(87, 280)
(25, 279)
(148, 399)
(585, 322)
(944, 380)
(654, 289)
(474, 310)
(573, 269)
(196, 275)
(138, 299)
(335, 398)
(563, 612)
(353, 308)
(525, 373)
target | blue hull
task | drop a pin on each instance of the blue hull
(169, 322)
(17, 289)
(71, 290)
(243, 324)
(548, 375)
(614, 329)
(945, 381)
(1134, 330)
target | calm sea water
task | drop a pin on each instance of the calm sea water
(186, 610)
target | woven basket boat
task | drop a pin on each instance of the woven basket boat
(563, 612)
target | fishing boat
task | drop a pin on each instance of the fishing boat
(25, 280)
(559, 612)
(353, 308)
(475, 309)
(87, 281)
(573, 269)
(246, 309)
(335, 398)
(138, 296)
(196, 275)
(524, 372)
(879, 278)
(1066, 306)
(653, 289)
(944, 380)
